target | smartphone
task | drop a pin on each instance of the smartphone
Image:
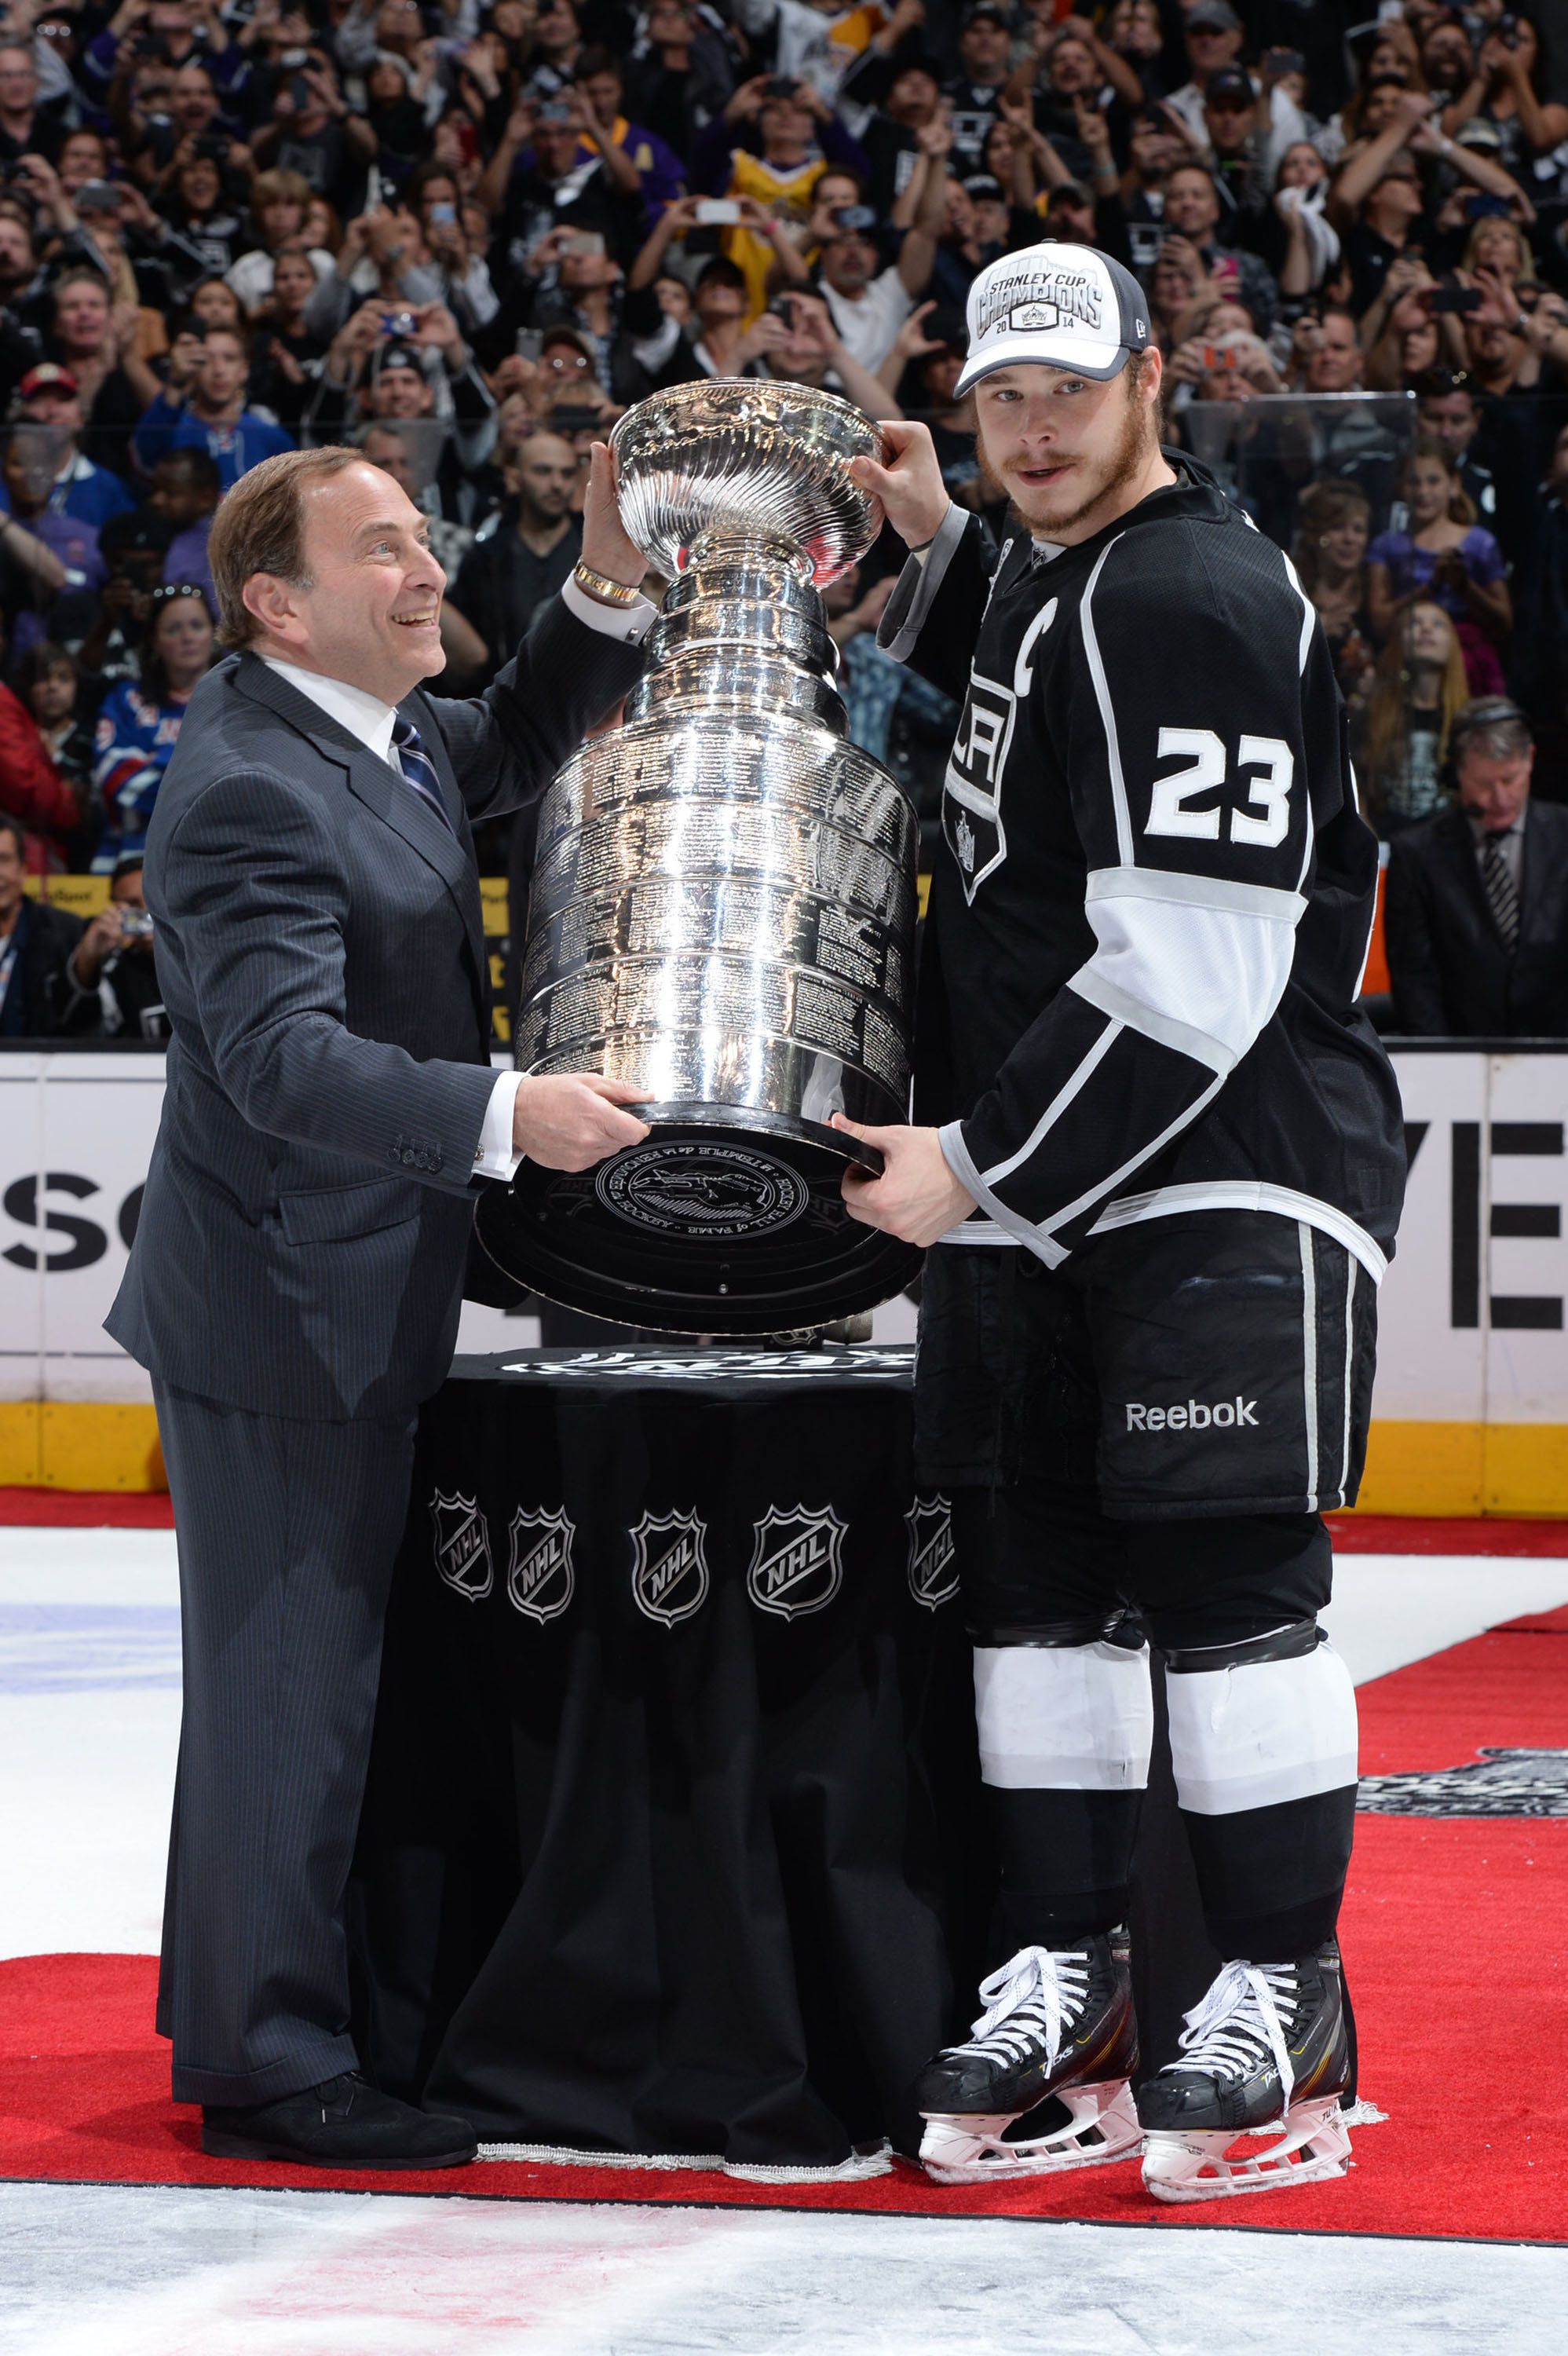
(529, 340)
(780, 86)
(716, 212)
(292, 59)
(854, 217)
(98, 196)
(1285, 62)
(1456, 299)
(581, 240)
(782, 307)
(1484, 206)
(299, 89)
(443, 216)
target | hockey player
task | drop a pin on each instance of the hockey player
(1162, 1185)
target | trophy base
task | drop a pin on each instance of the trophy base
(717, 1223)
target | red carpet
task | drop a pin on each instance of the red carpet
(1456, 1935)
(85, 1509)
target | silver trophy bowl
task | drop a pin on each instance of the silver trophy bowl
(723, 900)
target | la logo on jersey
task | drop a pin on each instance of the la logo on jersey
(972, 790)
(462, 1538)
(540, 1576)
(932, 1562)
(669, 1567)
(797, 1561)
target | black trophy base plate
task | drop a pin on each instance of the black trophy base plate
(707, 1227)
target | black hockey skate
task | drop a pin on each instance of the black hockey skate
(1043, 2082)
(1265, 2053)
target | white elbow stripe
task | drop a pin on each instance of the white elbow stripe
(1073, 1718)
(1257, 1735)
(1202, 979)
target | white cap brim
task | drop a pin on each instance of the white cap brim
(1044, 352)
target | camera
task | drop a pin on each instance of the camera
(1456, 300)
(211, 146)
(136, 923)
(399, 323)
(781, 86)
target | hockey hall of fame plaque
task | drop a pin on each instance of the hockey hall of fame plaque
(723, 900)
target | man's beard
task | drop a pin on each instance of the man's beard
(1126, 459)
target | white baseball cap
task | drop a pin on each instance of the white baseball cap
(1066, 306)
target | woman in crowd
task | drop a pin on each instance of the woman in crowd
(1333, 525)
(288, 357)
(279, 203)
(49, 688)
(1443, 554)
(1401, 724)
(139, 726)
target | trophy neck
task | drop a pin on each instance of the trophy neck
(742, 630)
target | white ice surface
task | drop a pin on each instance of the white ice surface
(111, 2271)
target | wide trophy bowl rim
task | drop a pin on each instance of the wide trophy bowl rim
(821, 431)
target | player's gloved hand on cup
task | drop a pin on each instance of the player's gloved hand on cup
(911, 489)
(917, 1198)
(570, 1121)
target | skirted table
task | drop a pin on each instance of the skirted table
(671, 1842)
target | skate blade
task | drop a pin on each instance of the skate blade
(1312, 2144)
(959, 2150)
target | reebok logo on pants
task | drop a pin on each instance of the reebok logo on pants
(1196, 1415)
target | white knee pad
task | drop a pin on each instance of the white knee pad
(1073, 1718)
(1256, 1733)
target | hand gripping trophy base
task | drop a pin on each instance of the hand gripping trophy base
(723, 903)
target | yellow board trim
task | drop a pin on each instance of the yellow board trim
(1433, 1469)
(80, 1445)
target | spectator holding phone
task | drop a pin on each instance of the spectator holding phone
(211, 412)
(798, 135)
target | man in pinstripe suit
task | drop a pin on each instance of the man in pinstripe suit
(295, 1280)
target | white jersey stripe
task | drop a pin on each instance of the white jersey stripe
(1107, 715)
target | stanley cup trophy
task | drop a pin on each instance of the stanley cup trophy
(723, 900)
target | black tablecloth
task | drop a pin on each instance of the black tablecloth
(671, 1842)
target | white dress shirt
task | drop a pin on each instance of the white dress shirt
(372, 721)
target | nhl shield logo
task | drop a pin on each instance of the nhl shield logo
(797, 1561)
(540, 1576)
(932, 1565)
(669, 1567)
(462, 1546)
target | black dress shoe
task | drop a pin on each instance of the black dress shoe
(345, 2122)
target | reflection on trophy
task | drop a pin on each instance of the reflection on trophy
(723, 900)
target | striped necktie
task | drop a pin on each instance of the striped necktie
(1502, 898)
(419, 770)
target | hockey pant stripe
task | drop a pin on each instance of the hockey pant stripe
(1254, 1735)
(1072, 1718)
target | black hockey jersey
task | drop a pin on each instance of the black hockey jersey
(1154, 897)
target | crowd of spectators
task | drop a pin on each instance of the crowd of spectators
(467, 234)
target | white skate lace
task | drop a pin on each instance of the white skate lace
(1038, 1993)
(1237, 2018)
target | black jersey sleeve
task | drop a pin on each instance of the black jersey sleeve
(933, 618)
(1201, 726)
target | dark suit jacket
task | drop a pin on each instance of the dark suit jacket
(39, 984)
(302, 1240)
(1450, 975)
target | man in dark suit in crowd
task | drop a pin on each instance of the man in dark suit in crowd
(1476, 922)
(36, 943)
(295, 1280)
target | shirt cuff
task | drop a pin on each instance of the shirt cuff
(495, 1157)
(630, 623)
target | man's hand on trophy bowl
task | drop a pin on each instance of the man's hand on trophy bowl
(570, 1121)
(606, 549)
(916, 1198)
(909, 488)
